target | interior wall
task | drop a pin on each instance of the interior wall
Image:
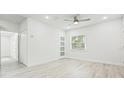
(23, 42)
(42, 42)
(103, 43)
(9, 26)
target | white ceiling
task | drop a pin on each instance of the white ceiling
(57, 20)
(14, 18)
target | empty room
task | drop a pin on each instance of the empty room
(62, 45)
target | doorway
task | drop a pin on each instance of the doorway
(9, 47)
(9, 58)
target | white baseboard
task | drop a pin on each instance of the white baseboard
(97, 61)
(43, 62)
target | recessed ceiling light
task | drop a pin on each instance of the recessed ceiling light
(46, 17)
(104, 17)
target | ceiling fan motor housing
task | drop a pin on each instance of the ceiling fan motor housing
(76, 19)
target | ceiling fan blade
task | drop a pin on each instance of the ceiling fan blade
(68, 20)
(84, 20)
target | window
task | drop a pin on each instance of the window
(62, 46)
(79, 42)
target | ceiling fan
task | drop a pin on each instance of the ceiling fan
(76, 20)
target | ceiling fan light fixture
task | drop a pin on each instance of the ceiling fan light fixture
(76, 22)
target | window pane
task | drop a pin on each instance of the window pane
(78, 42)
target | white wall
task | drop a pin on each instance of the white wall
(23, 42)
(23, 26)
(122, 40)
(9, 26)
(103, 43)
(42, 42)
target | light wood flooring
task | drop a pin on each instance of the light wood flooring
(63, 68)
